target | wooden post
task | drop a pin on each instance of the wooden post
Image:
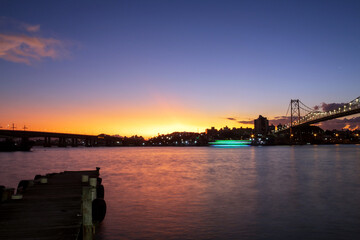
(87, 213)
(93, 184)
(85, 178)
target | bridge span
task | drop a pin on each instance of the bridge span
(314, 116)
(63, 138)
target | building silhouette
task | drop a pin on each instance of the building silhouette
(261, 126)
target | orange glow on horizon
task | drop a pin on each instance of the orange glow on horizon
(146, 126)
(145, 131)
(159, 116)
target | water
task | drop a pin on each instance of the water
(282, 192)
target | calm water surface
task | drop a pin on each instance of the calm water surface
(302, 192)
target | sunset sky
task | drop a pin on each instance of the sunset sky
(149, 67)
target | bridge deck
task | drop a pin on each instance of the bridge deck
(17, 133)
(333, 116)
(313, 118)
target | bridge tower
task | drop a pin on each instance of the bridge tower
(295, 114)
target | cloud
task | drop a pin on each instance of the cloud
(240, 121)
(231, 119)
(280, 120)
(32, 28)
(346, 123)
(325, 107)
(21, 43)
(16, 25)
(276, 120)
(246, 121)
(26, 49)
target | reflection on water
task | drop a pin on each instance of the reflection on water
(303, 192)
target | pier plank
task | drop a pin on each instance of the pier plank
(47, 211)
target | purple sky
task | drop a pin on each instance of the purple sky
(143, 67)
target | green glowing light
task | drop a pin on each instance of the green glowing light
(230, 142)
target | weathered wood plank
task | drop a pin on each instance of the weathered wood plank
(47, 211)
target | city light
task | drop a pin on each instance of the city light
(230, 143)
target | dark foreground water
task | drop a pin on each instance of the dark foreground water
(302, 192)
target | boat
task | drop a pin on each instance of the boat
(230, 143)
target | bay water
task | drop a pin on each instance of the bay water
(277, 192)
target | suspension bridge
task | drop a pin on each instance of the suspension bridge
(313, 116)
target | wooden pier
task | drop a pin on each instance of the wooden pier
(55, 206)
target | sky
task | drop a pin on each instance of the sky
(149, 67)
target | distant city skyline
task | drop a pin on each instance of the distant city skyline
(149, 67)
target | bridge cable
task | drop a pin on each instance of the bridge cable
(309, 108)
(288, 110)
(306, 110)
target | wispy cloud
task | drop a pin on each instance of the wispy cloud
(246, 121)
(23, 46)
(32, 28)
(231, 119)
(18, 26)
(25, 49)
(280, 120)
(240, 121)
(275, 120)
